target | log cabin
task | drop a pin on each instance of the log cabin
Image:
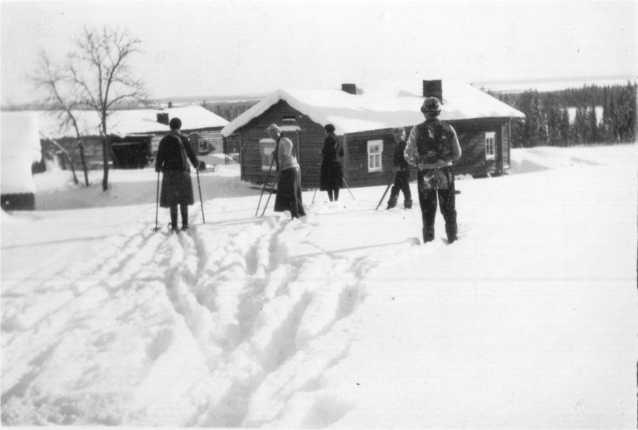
(364, 121)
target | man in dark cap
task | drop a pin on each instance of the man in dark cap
(331, 179)
(433, 147)
(401, 171)
(177, 188)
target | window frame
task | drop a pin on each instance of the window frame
(375, 157)
(202, 145)
(490, 145)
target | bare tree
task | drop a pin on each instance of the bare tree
(97, 76)
(52, 80)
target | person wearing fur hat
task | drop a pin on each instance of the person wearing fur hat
(433, 147)
(289, 182)
(331, 179)
(177, 188)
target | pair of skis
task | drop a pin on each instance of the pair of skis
(157, 190)
(345, 182)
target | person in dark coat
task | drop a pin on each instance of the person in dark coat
(401, 171)
(172, 160)
(289, 183)
(433, 147)
(331, 179)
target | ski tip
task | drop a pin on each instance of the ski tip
(447, 242)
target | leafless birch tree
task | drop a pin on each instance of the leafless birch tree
(96, 76)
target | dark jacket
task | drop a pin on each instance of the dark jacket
(432, 142)
(398, 158)
(332, 151)
(173, 150)
(331, 169)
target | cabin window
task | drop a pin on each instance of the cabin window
(375, 151)
(197, 143)
(266, 148)
(217, 143)
(490, 145)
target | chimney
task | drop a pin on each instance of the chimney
(433, 89)
(349, 88)
(162, 118)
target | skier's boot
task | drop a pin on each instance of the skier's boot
(392, 202)
(173, 223)
(428, 234)
(407, 204)
(183, 209)
(451, 230)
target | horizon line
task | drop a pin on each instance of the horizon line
(257, 95)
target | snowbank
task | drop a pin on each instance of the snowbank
(526, 160)
(339, 319)
(128, 187)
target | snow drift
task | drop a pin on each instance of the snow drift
(337, 320)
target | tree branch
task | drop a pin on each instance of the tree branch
(96, 75)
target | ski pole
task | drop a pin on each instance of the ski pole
(201, 203)
(384, 193)
(157, 203)
(348, 188)
(266, 204)
(263, 187)
(273, 190)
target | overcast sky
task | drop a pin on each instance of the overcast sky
(234, 47)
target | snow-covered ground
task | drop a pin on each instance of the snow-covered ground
(529, 320)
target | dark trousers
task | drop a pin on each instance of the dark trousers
(289, 193)
(428, 203)
(333, 193)
(183, 208)
(401, 183)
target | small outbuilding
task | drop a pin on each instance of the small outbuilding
(19, 149)
(134, 133)
(364, 121)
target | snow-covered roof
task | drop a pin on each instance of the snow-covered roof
(132, 121)
(379, 109)
(19, 148)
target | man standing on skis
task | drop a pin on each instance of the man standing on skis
(172, 159)
(433, 147)
(401, 171)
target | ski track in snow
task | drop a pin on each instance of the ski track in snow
(287, 323)
(263, 327)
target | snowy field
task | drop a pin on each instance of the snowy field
(341, 319)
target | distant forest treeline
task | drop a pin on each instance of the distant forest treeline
(591, 114)
(548, 115)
